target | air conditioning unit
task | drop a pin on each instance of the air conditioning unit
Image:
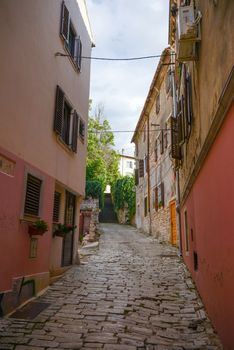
(188, 33)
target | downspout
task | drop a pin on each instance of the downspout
(148, 168)
(174, 114)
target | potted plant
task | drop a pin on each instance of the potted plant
(38, 227)
(60, 230)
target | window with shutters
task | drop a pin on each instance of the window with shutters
(66, 120)
(161, 142)
(146, 206)
(159, 196)
(82, 130)
(136, 177)
(158, 104)
(56, 210)
(156, 150)
(165, 136)
(32, 196)
(72, 42)
(141, 168)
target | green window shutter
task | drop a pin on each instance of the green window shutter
(59, 110)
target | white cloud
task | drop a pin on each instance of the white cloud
(125, 28)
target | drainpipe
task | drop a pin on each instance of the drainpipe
(148, 182)
(174, 113)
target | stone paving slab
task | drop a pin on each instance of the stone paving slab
(132, 294)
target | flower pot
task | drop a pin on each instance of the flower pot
(32, 231)
(59, 234)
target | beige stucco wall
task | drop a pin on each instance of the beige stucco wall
(30, 71)
(209, 75)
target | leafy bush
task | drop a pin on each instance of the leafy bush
(94, 189)
(123, 193)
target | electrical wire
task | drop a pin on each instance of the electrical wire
(124, 131)
(116, 59)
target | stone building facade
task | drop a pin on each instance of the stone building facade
(155, 190)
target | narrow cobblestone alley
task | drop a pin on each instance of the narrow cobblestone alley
(133, 293)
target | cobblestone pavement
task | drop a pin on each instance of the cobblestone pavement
(134, 293)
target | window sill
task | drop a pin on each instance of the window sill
(65, 146)
(29, 219)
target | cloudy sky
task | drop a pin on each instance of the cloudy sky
(125, 28)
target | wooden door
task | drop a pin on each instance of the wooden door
(69, 219)
(173, 238)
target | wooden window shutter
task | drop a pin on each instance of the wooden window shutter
(158, 104)
(141, 168)
(165, 136)
(161, 142)
(156, 198)
(189, 104)
(59, 109)
(136, 177)
(32, 198)
(162, 194)
(78, 53)
(82, 129)
(65, 22)
(156, 150)
(56, 211)
(75, 131)
(175, 147)
(146, 164)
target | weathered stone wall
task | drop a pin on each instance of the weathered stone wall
(161, 224)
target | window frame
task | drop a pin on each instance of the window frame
(82, 135)
(70, 139)
(36, 174)
(74, 51)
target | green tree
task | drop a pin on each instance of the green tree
(102, 160)
(123, 193)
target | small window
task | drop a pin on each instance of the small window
(156, 198)
(156, 150)
(165, 136)
(72, 41)
(158, 104)
(67, 109)
(82, 130)
(146, 205)
(56, 211)
(162, 142)
(136, 177)
(129, 164)
(144, 133)
(141, 168)
(168, 82)
(33, 194)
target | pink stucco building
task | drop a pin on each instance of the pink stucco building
(44, 99)
(202, 34)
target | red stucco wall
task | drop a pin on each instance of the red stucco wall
(14, 246)
(211, 217)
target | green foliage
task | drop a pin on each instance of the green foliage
(94, 189)
(102, 160)
(123, 192)
(40, 225)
